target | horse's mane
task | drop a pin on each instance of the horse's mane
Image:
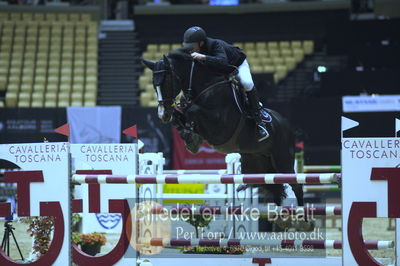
(180, 53)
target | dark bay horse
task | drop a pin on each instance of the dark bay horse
(218, 120)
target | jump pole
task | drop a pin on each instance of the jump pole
(208, 179)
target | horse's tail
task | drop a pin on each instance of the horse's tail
(297, 188)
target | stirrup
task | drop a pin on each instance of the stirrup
(265, 116)
(264, 129)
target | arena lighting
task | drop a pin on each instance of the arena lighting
(321, 69)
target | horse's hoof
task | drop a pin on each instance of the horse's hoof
(242, 187)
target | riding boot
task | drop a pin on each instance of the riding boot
(255, 110)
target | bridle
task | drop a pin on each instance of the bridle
(160, 99)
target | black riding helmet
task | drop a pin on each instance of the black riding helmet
(193, 35)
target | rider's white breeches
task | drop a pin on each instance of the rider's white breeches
(245, 76)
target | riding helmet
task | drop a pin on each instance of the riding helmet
(193, 35)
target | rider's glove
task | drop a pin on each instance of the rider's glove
(198, 56)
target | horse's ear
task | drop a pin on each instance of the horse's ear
(148, 63)
(166, 62)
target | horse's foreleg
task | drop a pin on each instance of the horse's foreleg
(178, 119)
(192, 140)
(298, 191)
(284, 163)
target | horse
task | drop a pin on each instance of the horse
(217, 118)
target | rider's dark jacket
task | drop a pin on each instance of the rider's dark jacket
(220, 54)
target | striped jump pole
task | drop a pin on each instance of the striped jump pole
(207, 242)
(242, 210)
(321, 168)
(199, 171)
(326, 178)
(318, 188)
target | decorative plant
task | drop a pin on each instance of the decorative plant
(76, 219)
(76, 238)
(89, 239)
(40, 229)
(199, 221)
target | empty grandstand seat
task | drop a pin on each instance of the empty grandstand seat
(277, 60)
(281, 72)
(298, 54)
(39, 87)
(284, 45)
(261, 45)
(251, 53)
(269, 69)
(3, 81)
(256, 69)
(89, 98)
(11, 99)
(51, 88)
(24, 99)
(77, 87)
(295, 44)
(249, 46)
(143, 81)
(238, 44)
(51, 99)
(263, 52)
(145, 98)
(308, 47)
(63, 99)
(91, 87)
(3, 16)
(37, 99)
(65, 87)
(272, 45)
(164, 48)
(27, 87)
(273, 51)
(86, 16)
(286, 52)
(76, 99)
(13, 87)
(290, 62)
(175, 46)
(37, 48)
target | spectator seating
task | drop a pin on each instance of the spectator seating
(48, 59)
(278, 58)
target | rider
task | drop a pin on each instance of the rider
(219, 54)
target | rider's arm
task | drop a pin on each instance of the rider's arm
(217, 58)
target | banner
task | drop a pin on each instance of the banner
(120, 159)
(371, 103)
(25, 125)
(95, 124)
(206, 158)
(42, 191)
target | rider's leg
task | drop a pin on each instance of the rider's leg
(247, 82)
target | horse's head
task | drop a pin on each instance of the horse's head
(166, 85)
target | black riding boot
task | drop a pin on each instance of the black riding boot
(255, 108)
